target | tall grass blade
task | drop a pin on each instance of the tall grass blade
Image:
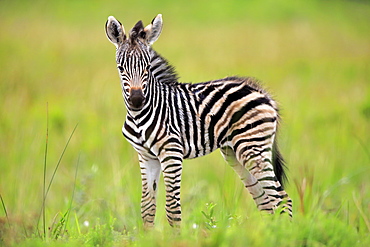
(362, 213)
(77, 224)
(45, 159)
(54, 172)
(6, 213)
(46, 191)
(73, 193)
(60, 159)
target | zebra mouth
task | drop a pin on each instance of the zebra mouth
(136, 107)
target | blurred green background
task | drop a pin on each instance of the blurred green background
(313, 56)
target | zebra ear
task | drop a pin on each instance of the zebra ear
(154, 29)
(115, 31)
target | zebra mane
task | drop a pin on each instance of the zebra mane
(162, 70)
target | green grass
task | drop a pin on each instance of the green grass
(314, 56)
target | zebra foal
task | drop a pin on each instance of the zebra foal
(168, 121)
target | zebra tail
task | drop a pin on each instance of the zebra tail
(278, 164)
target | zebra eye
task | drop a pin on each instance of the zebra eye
(126, 87)
(146, 71)
(121, 69)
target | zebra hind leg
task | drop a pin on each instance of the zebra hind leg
(259, 162)
(250, 182)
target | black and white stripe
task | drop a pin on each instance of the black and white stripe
(180, 120)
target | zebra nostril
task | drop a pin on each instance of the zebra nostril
(136, 99)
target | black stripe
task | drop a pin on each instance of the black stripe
(147, 206)
(211, 100)
(172, 197)
(263, 193)
(174, 158)
(268, 179)
(277, 196)
(168, 141)
(251, 126)
(265, 203)
(131, 131)
(173, 212)
(172, 172)
(254, 148)
(251, 185)
(173, 188)
(256, 139)
(173, 150)
(153, 124)
(184, 127)
(178, 175)
(239, 94)
(161, 120)
(191, 123)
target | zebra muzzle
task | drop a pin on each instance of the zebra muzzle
(136, 99)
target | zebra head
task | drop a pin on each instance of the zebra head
(133, 57)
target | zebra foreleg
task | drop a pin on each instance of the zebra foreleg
(150, 171)
(172, 168)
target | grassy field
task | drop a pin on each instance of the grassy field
(57, 70)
